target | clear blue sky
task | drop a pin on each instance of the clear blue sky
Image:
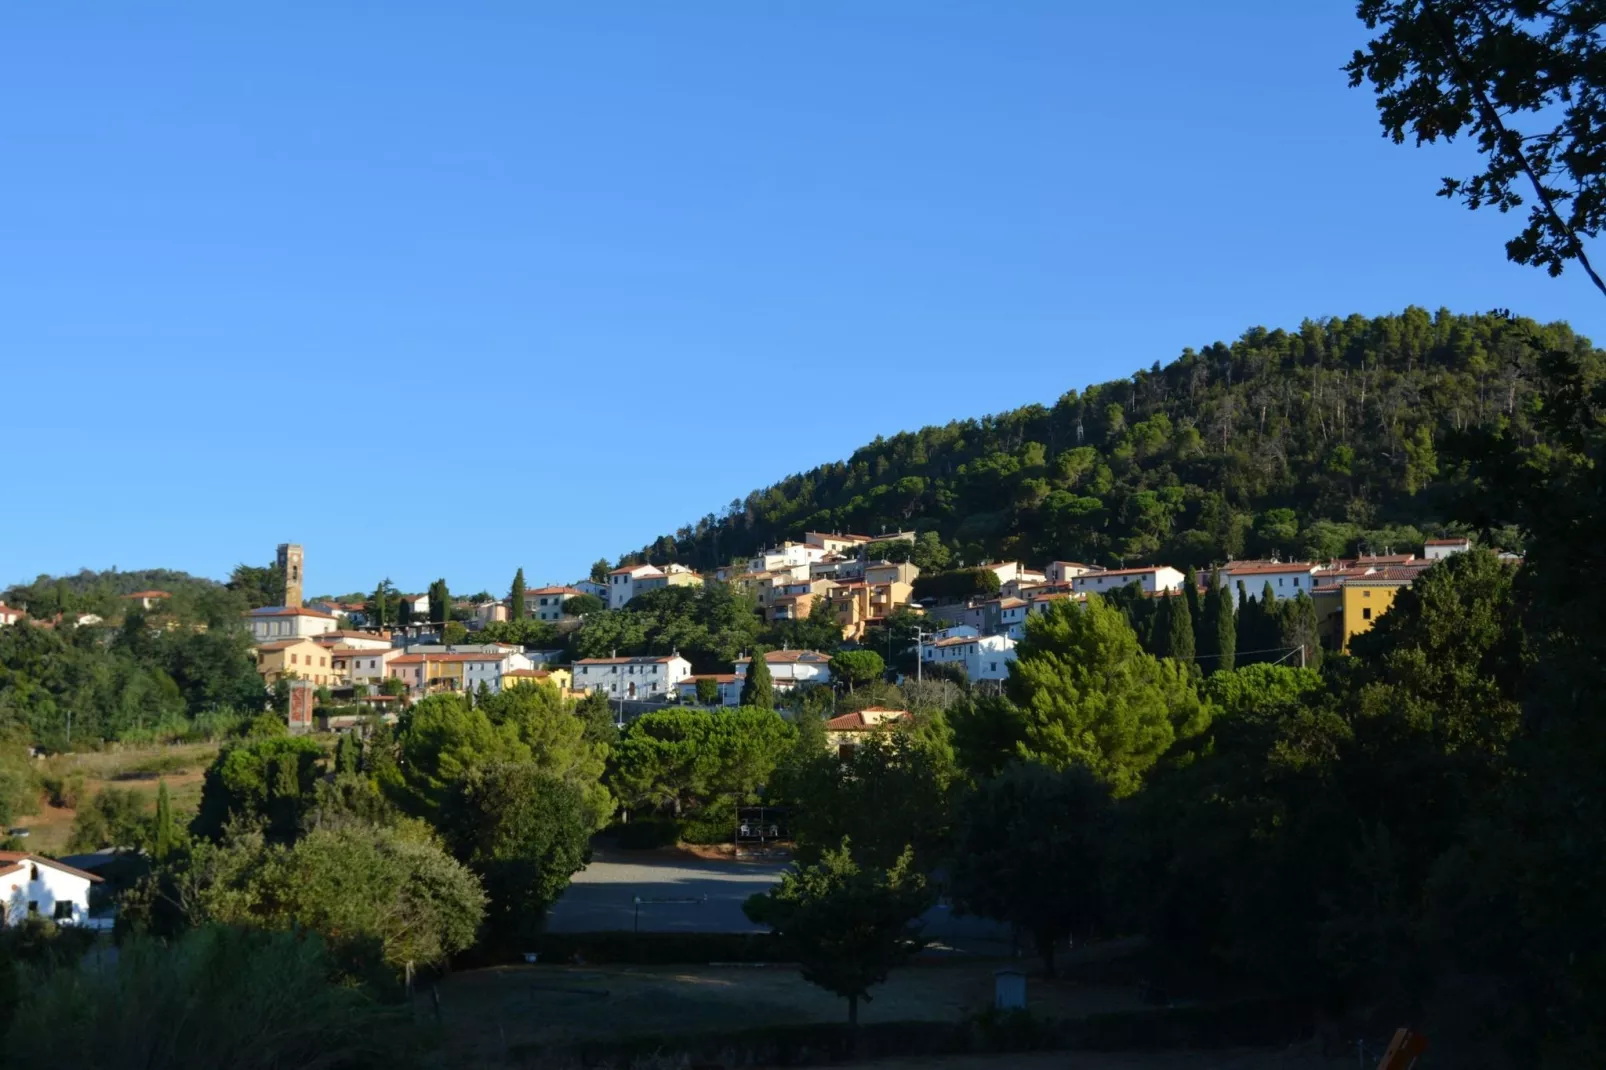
(445, 289)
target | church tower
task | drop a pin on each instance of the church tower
(290, 566)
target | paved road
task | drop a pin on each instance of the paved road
(602, 897)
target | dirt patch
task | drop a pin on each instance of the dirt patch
(142, 770)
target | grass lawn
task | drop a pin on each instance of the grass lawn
(141, 769)
(487, 1011)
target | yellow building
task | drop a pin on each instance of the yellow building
(558, 677)
(301, 658)
(844, 734)
(860, 604)
(1351, 606)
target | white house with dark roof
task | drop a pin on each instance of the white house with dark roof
(33, 885)
(643, 677)
(9, 614)
(1152, 578)
(269, 623)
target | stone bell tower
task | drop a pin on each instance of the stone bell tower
(290, 566)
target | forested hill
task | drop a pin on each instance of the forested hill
(1311, 442)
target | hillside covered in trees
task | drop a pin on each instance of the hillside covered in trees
(1315, 442)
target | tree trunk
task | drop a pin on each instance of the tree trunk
(853, 1010)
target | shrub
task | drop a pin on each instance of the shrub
(65, 790)
(714, 823)
(216, 997)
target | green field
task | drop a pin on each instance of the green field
(141, 769)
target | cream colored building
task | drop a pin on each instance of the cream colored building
(300, 658)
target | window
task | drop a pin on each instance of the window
(1279, 581)
(1366, 613)
(1296, 581)
(323, 663)
(1366, 594)
(292, 659)
(63, 909)
(33, 906)
(33, 874)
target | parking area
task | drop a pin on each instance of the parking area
(679, 894)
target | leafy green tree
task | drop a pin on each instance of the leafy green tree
(1520, 78)
(525, 832)
(1031, 851)
(596, 717)
(268, 780)
(582, 605)
(855, 667)
(847, 925)
(1090, 696)
(361, 887)
(894, 790)
(516, 609)
(113, 818)
(758, 689)
(683, 758)
(989, 733)
(453, 633)
(707, 691)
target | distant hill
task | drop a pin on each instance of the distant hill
(1314, 442)
(88, 591)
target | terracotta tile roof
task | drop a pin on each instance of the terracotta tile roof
(282, 644)
(644, 659)
(857, 722)
(1145, 570)
(148, 594)
(285, 611)
(789, 657)
(567, 591)
(632, 568)
(717, 677)
(1266, 568)
(955, 641)
(22, 857)
(420, 659)
(364, 651)
(1446, 542)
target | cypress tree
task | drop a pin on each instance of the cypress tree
(1219, 629)
(1190, 591)
(162, 837)
(758, 689)
(1178, 621)
(346, 754)
(1248, 624)
(440, 602)
(516, 599)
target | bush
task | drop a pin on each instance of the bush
(958, 585)
(646, 833)
(65, 790)
(216, 997)
(714, 823)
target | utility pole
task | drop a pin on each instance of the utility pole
(920, 655)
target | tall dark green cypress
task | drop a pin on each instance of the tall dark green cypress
(162, 838)
(1190, 591)
(516, 597)
(1249, 617)
(1178, 622)
(758, 689)
(440, 602)
(1220, 628)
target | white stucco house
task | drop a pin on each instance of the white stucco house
(1288, 579)
(643, 677)
(789, 668)
(9, 614)
(31, 884)
(546, 603)
(1439, 549)
(270, 623)
(985, 657)
(622, 583)
(592, 587)
(488, 667)
(1152, 579)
